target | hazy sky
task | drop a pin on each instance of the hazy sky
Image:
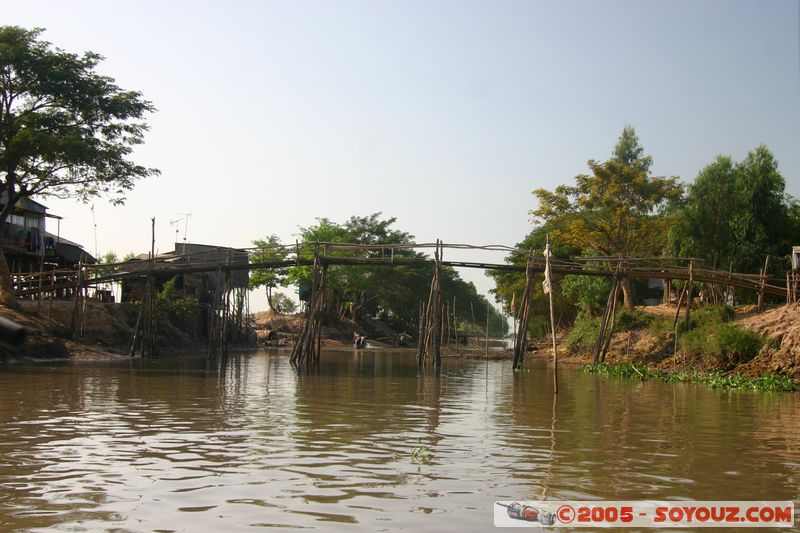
(443, 114)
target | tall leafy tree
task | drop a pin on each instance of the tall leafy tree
(268, 250)
(736, 213)
(617, 210)
(65, 129)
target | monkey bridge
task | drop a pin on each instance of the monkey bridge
(319, 256)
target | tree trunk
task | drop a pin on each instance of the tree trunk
(7, 298)
(627, 292)
(269, 301)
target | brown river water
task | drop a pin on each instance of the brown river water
(178, 444)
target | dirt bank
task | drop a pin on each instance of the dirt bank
(105, 332)
(780, 326)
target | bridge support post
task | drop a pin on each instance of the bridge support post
(430, 323)
(522, 325)
(308, 344)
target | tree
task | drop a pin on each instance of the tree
(268, 250)
(510, 286)
(282, 304)
(737, 213)
(617, 210)
(65, 130)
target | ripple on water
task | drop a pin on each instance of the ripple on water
(174, 445)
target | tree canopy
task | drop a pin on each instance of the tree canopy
(618, 210)
(65, 130)
(268, 250)
(736, 213)
(389, 293)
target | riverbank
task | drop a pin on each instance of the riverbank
(737, 348)
(644, 338)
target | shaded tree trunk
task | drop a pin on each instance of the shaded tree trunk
(269, 301)
(6, 288)
(627, 292)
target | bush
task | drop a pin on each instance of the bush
(730, 345)
(631, 319)
(583, 334)
(660, 325)
(179, 309)
(712, 314)
(735, 345)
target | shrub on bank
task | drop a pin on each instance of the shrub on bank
(632, 319)
(712, 314)
(729, 345)
(583, 334)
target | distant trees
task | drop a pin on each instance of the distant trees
(268, 250)
(65, 130)
(736, 213)
(389, 293)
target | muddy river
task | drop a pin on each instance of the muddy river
(366, 442)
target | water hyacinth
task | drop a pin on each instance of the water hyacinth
(717, 380)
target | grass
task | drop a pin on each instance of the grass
(730, 345)
(583, 334)
(717, 380)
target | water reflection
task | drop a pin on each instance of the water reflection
(183, 444)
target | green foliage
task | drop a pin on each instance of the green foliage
(632, 319)
(616, 210)
(389, 294)
(737, 213)
(767, 382)
(588, 292)
(730, 345)
(107, 258)
(421, 455)
(712, 314)
(283, 304)
(660, 325)
(736, 345)
(620, 370)
(65, 130)
(583, 334)
(179, 309)
(268, 250)
(510, 286)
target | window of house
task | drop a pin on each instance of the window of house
(17, 220)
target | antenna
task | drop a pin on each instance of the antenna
(186, 217)
(176, 223)
(94, 223)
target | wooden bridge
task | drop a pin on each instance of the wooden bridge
(333, 254)
(322, 255)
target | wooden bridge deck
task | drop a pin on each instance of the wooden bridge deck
(342, 254)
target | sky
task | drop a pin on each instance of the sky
(443, 114)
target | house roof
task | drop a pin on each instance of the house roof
(69, 250)
(26, 204)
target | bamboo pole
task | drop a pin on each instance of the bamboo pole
(598, 342)
(612, 322)
(487, 332)
(762, 284)
(522, 326)
(74, 320)
(689, 296)
(52, 292)
(437, 340)
(549, 285)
